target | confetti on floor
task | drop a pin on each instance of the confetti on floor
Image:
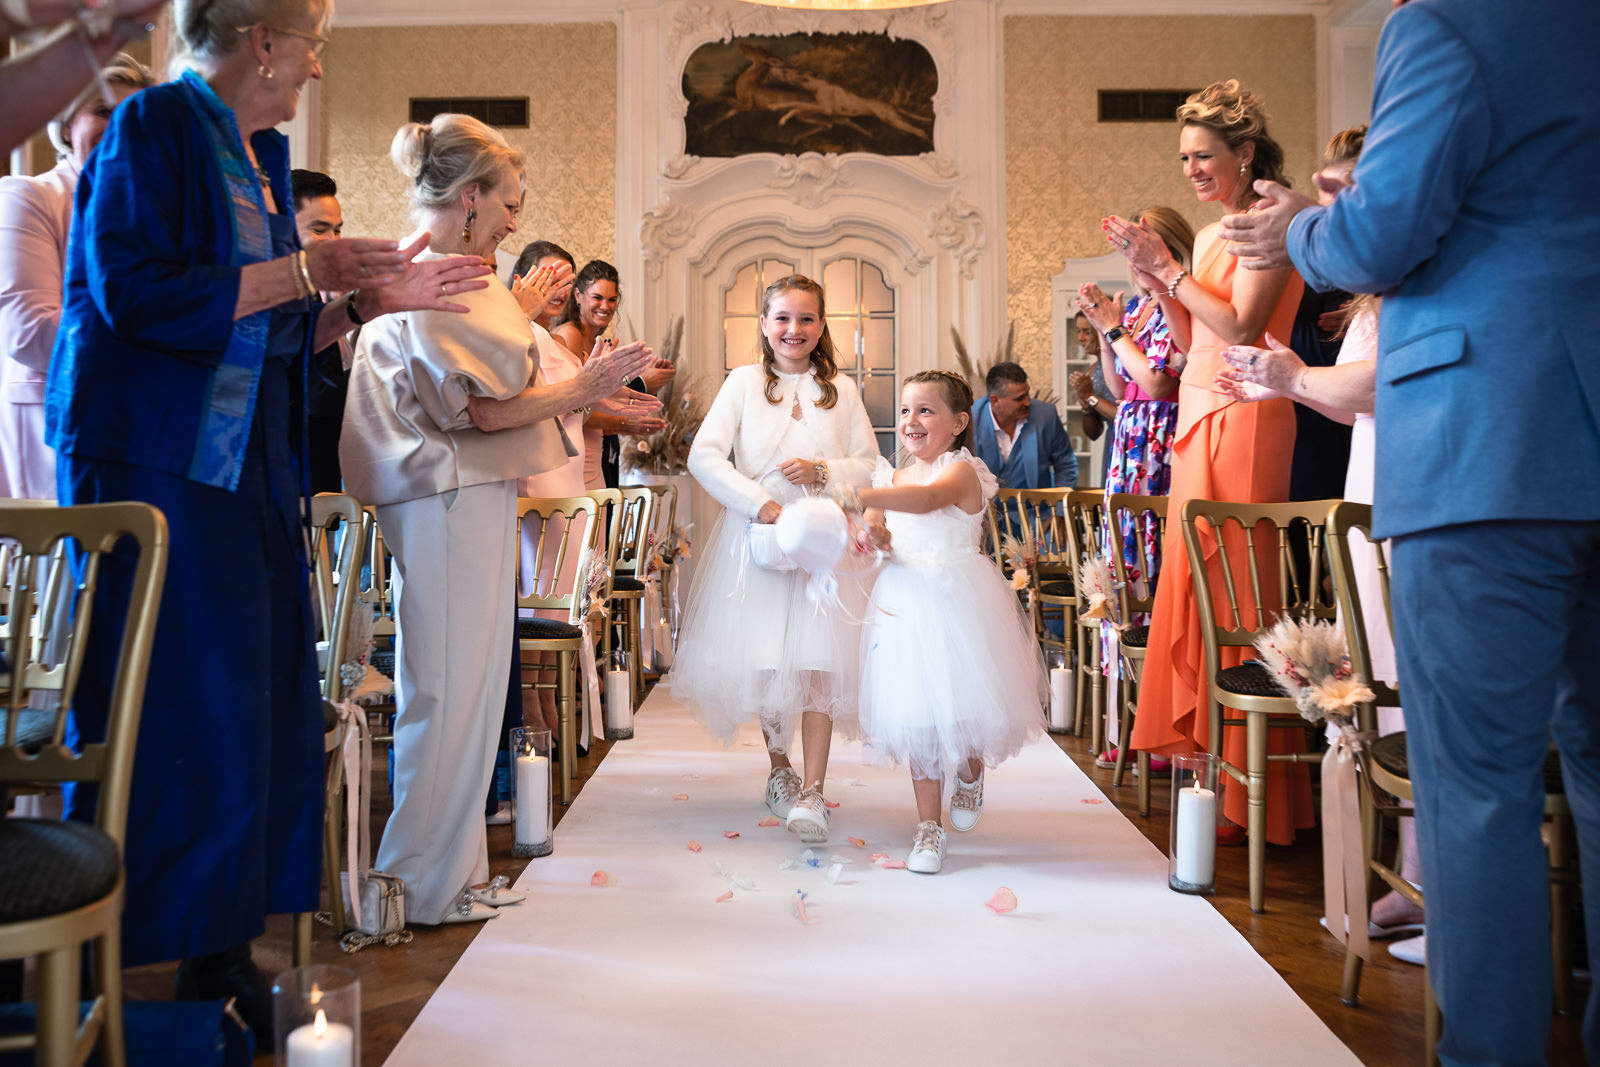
(858, 842)
(1091, 800)
(1003, 901)
(830, 803)
(693, 846)
(680, 796)
(770, 820)
(730, 834)
(724, 898)
(894, 865)
(603, 878)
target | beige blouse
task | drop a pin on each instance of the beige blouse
(407, 433)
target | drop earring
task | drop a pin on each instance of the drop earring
(1242, 168)
(265, 71)
(466, 230)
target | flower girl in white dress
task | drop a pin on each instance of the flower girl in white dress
(952, 678)
(751, 644)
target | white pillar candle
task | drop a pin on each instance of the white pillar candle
(322, 1044)
(663, 645)
(1062, 695)
(1197, 836)
(647, 635)
(619, 701)
(533, 799)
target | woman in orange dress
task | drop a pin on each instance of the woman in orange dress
(1222, 450)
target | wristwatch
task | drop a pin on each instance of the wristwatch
(1115, 334)
(351, 312)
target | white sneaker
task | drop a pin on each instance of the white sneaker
(783, 787)
(808, 819)
(927, 848)
(1411, 950)
(966, 803)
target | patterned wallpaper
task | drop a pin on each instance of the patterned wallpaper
(568, 72)
(1065, 170)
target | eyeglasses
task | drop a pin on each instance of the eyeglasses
(318, 41)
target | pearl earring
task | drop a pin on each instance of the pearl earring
(1242, 168)
(466, 231)
(264, 70)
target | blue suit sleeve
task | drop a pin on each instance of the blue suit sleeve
(1063, 461)
(145, 258)
(1429, 136)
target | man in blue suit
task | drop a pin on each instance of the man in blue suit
(1474, 213)
(1024, 444)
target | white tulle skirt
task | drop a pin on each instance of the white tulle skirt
(752, 645)
(950, 668)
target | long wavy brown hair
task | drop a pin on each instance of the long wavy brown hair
(823, 360)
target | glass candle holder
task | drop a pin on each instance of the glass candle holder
(316, 1014)
(663, 644)
(619, 697)
(1192, 841)
(1063, 692)
(530, 792)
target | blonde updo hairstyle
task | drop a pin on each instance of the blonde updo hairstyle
(209, 29)
(1174, 231)
(124, 72)
(446, 157)
(1238, 117)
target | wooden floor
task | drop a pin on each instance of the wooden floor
(1385, 1029)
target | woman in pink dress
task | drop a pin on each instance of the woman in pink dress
(35, 214)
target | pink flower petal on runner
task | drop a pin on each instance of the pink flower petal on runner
(856, 841)
(830, 803)
(730, 834)
(694, 846)
(799, 907)
(603, 878)
(894, 865)
(770, 820)
(878, 857)
(724, 898)
(680, 796)
(1091, 800)
(1003, 901)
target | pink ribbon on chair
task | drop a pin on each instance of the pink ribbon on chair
(1344, 856)
(355, 750)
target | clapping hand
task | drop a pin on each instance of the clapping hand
(658, 374)
(608, 367)
(535, 292)
(639, 412)
(1083, 385)
(1259, 373)
(1102, 311)
(1142, 246)
(1259, 236)
(424, 286)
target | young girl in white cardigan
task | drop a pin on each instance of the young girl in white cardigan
(751, 643)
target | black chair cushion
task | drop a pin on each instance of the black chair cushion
(546, 630)
(382, 660)
(626, 583)
(48, 867)
(1249, 679)
(1389, 752)
(35, 727)
(1135, 637)
(1062, 589)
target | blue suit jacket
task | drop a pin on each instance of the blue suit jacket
(1041, 457)
(1474, 212)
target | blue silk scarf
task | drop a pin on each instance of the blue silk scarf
(224, 434)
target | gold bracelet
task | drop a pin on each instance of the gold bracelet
(304, 272)
(821, 467)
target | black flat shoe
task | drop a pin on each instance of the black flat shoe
(230, 974)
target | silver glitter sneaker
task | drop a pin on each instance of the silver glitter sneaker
(927, 849)
(783, 787)
(966, 804)
(808, 819)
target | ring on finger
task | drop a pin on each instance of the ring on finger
(444, 289)
(365, 273)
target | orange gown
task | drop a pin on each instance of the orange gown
(1222, 450)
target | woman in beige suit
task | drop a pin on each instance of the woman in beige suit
(442, 419)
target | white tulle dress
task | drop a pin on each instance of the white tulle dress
(751, 643)
(950, 667)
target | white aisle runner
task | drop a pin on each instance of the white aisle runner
(1100, 964)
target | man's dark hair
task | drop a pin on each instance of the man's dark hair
(533, 253)
(309, 185)
(1001, 373)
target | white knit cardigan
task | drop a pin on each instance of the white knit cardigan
(741, 423)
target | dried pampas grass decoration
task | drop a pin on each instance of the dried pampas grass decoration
(667, 450)
(1309, 661)
(975, 373)
(1099, 589)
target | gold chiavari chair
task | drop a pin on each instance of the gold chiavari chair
(1137, 597)
(337, 550)
(375, 594)
(995, 527)
(1249, 688)
(83, 902)
(1042, 517)
(663, 514)
(556, 545)
(1086, 513)
(632, 529)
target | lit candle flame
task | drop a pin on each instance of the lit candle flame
(320, 1026)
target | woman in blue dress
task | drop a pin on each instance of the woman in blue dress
(178, 378)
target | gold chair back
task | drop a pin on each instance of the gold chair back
(633, 534)
(1144, 512)
(32, 665)
(1044, 530)
(558, 548)
(610, 504)
(337, 544)
(1344, 520)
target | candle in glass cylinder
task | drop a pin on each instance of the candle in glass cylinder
(533, 799)
(321, 1044)
(663, 645)
(1197, 836)
(619, 701)
(1061, 699)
